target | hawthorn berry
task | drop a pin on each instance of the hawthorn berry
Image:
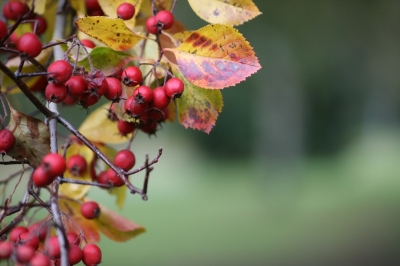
(16, 232)
(3, 29)
(90, 210)
(88, 43)
(41, 178)
(151, 25)
(92, 5)
(39, 230)
(156, 115)
(150, 127)
(114, 89)
(125, 159)
(40, 260)
(5, 249)
(73, 239)
(125, 127)
(29, 239)
(143, 94)
(7, 140)
(76, 86)
(160, 98)
(59, 71)
(40, 85)
(14, 9)
(40, 24)
(69, 100)
(128, 104)
(114, 178)
(24, 253)
(54, 164)
(166, 19)
(14, 38)
(74, 254)
(96, 89)
(56, 93)
(52, 248)
(30, 44)
(126, 11)
(174, 88)
(88, 99)
(91, 255)
(131, 76)
(139, 109)
(102, 178)
(76, 164)
(117, 74)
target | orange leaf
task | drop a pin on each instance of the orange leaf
(215, 57)
(116, 227)
(111, 31)
(228, 12)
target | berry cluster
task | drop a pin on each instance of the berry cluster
(33, 246)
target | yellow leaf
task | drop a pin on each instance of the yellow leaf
(228, 12)
(40, 6)
(109, 8)
(78, 6)
(98, 128)
(111, 31)
(160, 4)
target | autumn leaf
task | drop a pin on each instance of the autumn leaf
(116, 227)
(98, 128)
(76, 191)
(110, 31)
(109, 8)
(32, 138)
(228, 12)
(72, 208)
(198, 108)
(160, 5)
(107, 60)
(78, 6)
(40, 6)
(215, 57)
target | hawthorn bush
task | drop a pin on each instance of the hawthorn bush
(148, 67)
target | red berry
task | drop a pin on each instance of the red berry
(143, 94)
(126, 11)
(14, 9)
(166, 19)
(16, 232)
(29, 239)
(56, 93)
(114, 89)
(88, 99)
(174, 88)
(69, 100)
(7, 140)
(40, 24)
(5, 250)
(125, 159)
(24, 253)
(114, 178)
(54, 164)
(76, 164)
(98, 90)
(138, 109)
(3, 29)
(150, 127)
(97, 12)
(30, 44)
(160, 98)
(88, 43)
(39, 230)
(90, 210)
(128, 104)
(60, 71)
(41, 178)
(92, 5)
(52, 248)
(73, 239)
(131, 76)
(155, 115)
(74, 254)
(102, 178)
(151, 25)
(125, 127)
(91, 255)
(40, 260)
(117, 74)
(14, 38)
(76, 86)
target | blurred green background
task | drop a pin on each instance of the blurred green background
(302, 166)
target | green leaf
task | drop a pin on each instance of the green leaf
(107, 60)
(198, 108)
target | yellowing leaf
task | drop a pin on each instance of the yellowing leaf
(228, 12)
(215, 57)
(111, 31)
(76, 191)
(116, 227)
(32, 138)
(40, 6)
(198, 108)
(160, 5)
(72, 208)
(78, 6)
(109, 8)
(98, 128)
